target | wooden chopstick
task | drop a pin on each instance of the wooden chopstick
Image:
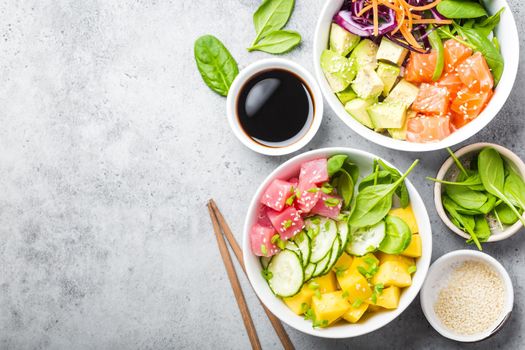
(236, 286)
(277, 326)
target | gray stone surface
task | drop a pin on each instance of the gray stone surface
(110, 145)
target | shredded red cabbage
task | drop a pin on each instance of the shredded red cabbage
(364, 25)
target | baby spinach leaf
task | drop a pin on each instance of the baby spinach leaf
(215, 63)
(458, 162)
(463, 222)
(486, 26)
(437, 46)
(483, 210)
(271, 15)
(373, 203)
(481, 228)
(335, 163)
(470, 181)
(345, 187)
(461, 9)
(381, 177)
(397, 236)
(277, 42)
(505, 214)
(466, 197)
(401, 191)
(488, 50)
(492, 175)
(514, 188)
(352, 169)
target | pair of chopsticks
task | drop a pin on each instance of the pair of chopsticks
(221, 227)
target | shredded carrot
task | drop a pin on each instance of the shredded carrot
(376, 18)
(432, 21)
(405, 17)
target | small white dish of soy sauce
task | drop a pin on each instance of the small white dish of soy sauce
(274, 106)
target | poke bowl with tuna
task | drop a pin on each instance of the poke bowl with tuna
(337, 242)
(407, 72)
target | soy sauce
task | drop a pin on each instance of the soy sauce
(275, 107)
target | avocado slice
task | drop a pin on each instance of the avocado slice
(391, 52)
(346, 95)
(364, 54)
(388, 74)
(404, 92)
(401, 133)
(341, 40)
(386, 115)
(357, 109)
(339, 70)
(367, 83)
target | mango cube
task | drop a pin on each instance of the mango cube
(392, 273)
(415, 248)
(374, 308)
(365, 261)
(343, 263)
(389, 298)
(354, 313)
(329, 307)
(384, 257)
(326, 283)
(355, 286)
(407, 214)
(300, 302)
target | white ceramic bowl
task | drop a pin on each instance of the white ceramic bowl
(449, 170)
(507, 34)
(437, 279)
(304, 136)
(278, 308)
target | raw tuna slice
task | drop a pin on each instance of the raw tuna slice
(288, 222)
(307, 199)
(328, 205)
(313, 172)
(262, 216)
(276, 194)
(261, 240)
(294, 181)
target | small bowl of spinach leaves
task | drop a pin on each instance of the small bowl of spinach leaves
(480, 193)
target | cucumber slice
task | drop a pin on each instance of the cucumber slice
(303, 242)
(342, 231)
(366, 239)
(397, 236)
(323, 241)
(322, 265)
(265, 260)
(334, 256)
(290, 245)
(309, 271)
(287, 274)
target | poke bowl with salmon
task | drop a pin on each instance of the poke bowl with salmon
(337, 242)
(416, 75)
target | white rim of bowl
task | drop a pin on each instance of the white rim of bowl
(428, 309)
(504, 88)
(247, 73)
(506, 153)
(325, 333)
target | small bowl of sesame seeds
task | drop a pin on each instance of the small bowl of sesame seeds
(467, 296)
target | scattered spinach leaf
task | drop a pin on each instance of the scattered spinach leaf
(505, 214)
(486, 26)
(335, 163)
(514, 188)
(463, 222)
(277, 42)
(215, 63)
